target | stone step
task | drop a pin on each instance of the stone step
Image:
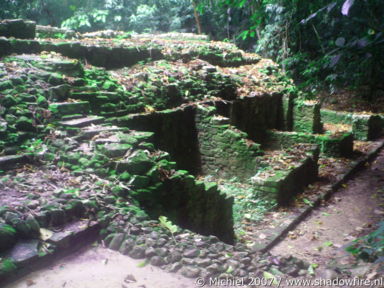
(98, 96)
(24, 252)
(115, 150)
(72, 233)
(12, 161)
(89, 132)
(338, 143)
(58, 93)
(84, 96)
(67, 67)
(82, 122)
(70, 108)
(365, 126)
(283, 178)
(71, 117)
(117, 113)
(27, 253)
(84, 89)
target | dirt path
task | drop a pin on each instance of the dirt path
(351, 212)
(101, 268)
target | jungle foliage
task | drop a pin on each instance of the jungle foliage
(322, 44)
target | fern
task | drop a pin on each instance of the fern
(165, 223)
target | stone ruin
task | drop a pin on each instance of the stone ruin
(152, 126)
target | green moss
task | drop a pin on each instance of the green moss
(7, 265)
(330, 145)
(9, 101)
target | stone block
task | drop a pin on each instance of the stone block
(338, 145)
(83, 122)
(306, 117)
(24, 252)
(115, 150)
(12, 161)
(18, 28)
(285, 184)
(69, 108)
(366, 127)
(7, 237)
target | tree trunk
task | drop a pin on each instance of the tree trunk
(197, 18)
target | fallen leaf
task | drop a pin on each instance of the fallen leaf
(378, 212)
(130, 279)
(30, 282)
(45, 234)
(371, 275)
(262, 236)
(328, 243)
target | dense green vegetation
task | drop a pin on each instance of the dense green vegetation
(324, 45)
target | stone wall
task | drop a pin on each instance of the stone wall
(125, 54)
(330, 145)
(255, 115)
(364, 126)
(175, 132)
(199, 140)
(225, 152)
(288, 104)
(195, 205)
(286, 183)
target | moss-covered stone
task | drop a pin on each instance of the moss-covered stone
(7, 237)
(364, 126)
(139, 182)
(5, 47)
(6, 85)
(70, 108)
(336, 117)
(225, 151)
(255, 115)
(283, 185)
(115, 149)
(25, 124)
(59, 93)
(139, 163)
(287, 105)
(306, 117)
(9, 101)
(339, 145)
(18, 28)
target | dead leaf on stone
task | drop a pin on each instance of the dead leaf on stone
(30, 282)
(45, 234)
(378, 212)
(371, 275)
(262, 236)
(292, 235)
(359, 229)
(130, 279)
(315, 236)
